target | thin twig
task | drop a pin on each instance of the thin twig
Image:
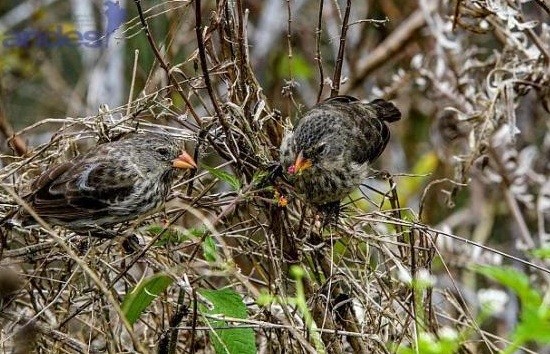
(436, 232)
(318, 57)
(132, 82)
(456, 14)
(290, 84)
(204, 67)
(544, 5)
(341, 50)
(242, 59)
(164, 65)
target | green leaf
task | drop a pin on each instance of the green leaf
(535, 314)
(224, 176)
(171, 235)
(209, 249)
(534, 326)
(259, 176)
(516, 281)
(298, 65)
(137, 300)
(228, 340)
(542, 253)
(409, 186)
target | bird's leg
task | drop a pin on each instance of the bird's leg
(131, 244)
(130, 241)
(331, 212)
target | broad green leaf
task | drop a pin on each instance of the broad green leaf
(228, 340)
(224, 176)
(137, 300)
(533, 327)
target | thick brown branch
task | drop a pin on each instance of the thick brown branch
(390, 46)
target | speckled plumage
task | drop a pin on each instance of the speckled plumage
(113, 183)
(340, 137)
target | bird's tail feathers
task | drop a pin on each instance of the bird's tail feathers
(386, 110)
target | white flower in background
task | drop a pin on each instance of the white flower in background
(448, 333)
(492, 300)
(405, 276)
(426, 337)
(424, 278)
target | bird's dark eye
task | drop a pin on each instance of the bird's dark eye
(321, 150)
(164, 152)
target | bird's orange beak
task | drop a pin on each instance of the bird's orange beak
(184, 161)
(300, 164)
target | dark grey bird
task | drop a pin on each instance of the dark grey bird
(113, 183)
(328, 153)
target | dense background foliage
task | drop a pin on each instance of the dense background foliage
(464, 181)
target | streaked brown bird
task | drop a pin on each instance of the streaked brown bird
(113, 183)
(328, 153)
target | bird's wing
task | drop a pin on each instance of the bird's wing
(372, 137)
(372, 132)
(80, 188)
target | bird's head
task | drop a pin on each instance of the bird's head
(162, 154)
(323, 154)
(171, 153)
